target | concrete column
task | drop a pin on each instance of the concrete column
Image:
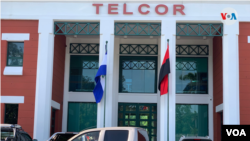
(231, 113)
(107, 34)
(167, 101)
(44, 80)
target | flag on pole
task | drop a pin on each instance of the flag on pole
(165, 70)
(100, 79)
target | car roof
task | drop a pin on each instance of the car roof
(10, 126)
(194, 137)
(113, 128)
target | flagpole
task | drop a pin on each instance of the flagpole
(168, 96)
(105, 89)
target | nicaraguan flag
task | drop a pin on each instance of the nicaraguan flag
(100, 80)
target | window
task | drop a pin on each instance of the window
(191, 75)
(11, 113)
(191, 120)
(62, 137)
(52, 124)
(139, 115)
(116, 135)
(81, 116)
(15, 54)
(82, 73)
(138, 74)
(90, 136)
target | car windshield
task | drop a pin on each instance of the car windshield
(6, 133)
(63, 137)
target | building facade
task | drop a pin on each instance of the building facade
(51, 51)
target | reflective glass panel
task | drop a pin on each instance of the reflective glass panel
(139, 115)
(15, 54)
(138, 74)
(191, 75)
(81, 115)
(82, 73)
(191, 120)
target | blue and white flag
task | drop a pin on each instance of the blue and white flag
(100, 80)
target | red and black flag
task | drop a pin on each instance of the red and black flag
(165, 70)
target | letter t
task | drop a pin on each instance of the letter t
(97, 7)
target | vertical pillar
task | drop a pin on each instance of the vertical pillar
(107, 34)
(231, 114)
(167, 101)
(44, 80)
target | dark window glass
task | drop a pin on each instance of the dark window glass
(11, 113)
(90, 136)
(139, 115)
(53, 118)
(191, 75)
(116, 135)
(138, 74)
(82, 73)
(15, 54)
(81, 116)
(191, 120)
(63, 137)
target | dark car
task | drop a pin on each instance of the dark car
(61, 136)
(14, 132)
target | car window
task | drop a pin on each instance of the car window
(90, 136)
(6, 133)
(63, 137)
(116, 135)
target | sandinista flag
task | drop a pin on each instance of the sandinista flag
(165, 70)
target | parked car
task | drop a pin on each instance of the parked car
(197, 138)
(14, 132)
(112, 134)
(61, 136)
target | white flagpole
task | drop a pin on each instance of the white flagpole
(168, 93)
(105, 89)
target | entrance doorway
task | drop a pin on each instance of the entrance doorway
(139, 115)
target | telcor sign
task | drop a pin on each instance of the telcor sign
(142, 9)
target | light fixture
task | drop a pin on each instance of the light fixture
(125, 37)
(204, 37)
(151, 37)
(75, 36)
(178, 37)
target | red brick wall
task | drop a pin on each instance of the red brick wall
(2, 112)
(58, 77)
(24, 85)
(244, 72)
(217, 85)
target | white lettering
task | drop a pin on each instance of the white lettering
(242, 132)
(229, 132)
(237, 132)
